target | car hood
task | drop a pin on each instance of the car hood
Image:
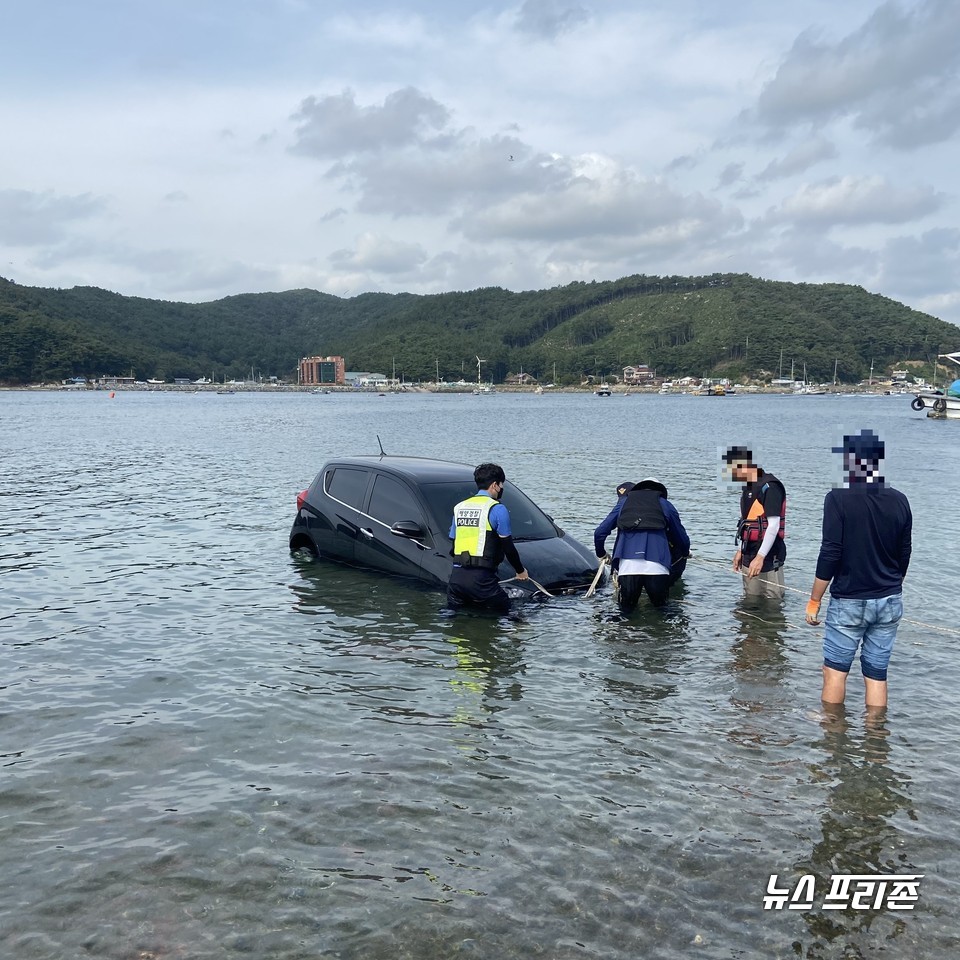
(558, 564)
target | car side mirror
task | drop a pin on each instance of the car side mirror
(407, 528)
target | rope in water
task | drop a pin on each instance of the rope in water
(741, 613)
(530, 580)
(804, 593)
(726, 566)
(592, 589)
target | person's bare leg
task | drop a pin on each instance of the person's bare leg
(834, 717)
(876, 692)
(834, 686)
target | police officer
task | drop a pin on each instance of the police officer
(761, 550)
(481, 537)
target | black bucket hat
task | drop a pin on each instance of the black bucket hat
(738, 455)
(865, 445)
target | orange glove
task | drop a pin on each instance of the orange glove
(813, 611)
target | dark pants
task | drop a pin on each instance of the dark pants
(631, 586)
(657, 586)
(476, 587)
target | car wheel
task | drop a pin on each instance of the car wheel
(303, 544)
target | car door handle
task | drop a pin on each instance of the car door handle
(367, 532)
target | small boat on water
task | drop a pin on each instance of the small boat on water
(603, 390)
(805, 389)
(941, 405)
(712, 390)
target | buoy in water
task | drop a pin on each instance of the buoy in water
(112, 394)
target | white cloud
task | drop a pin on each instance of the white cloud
(338, 213)
(941, 305)
(852, 200)
(426, 147)
(582, 207)
(335, 126)
(730, 174)
(919, 263)
(800, 158)
(380, 254)
(439, 179)
(28, 218)
(896, 74)
(547, 19)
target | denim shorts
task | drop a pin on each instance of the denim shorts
(848, 622)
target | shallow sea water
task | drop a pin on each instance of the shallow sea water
(209, 748)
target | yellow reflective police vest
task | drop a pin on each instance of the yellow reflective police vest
(476, 543)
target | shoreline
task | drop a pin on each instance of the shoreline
(419, 389)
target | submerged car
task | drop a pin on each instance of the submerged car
(392, 515)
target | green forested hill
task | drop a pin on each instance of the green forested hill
(734, 325)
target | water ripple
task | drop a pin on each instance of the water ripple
(209, 748)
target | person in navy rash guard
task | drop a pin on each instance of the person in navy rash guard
(864, 555)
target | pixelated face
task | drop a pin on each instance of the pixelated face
(737, 471)
(860, 469)
(735, 461)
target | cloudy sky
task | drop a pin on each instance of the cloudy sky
(192, 150)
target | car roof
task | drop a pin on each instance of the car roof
(420, 469)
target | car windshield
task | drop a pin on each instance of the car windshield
(527, 520)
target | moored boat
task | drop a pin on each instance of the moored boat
(941, 405)
(938, 406)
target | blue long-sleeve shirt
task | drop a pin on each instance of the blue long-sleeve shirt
(644, 544)
(866, 542)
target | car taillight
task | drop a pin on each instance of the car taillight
(301, 499)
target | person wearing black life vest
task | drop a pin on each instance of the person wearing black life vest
(651, 547)
(761, 550)
(482, 538)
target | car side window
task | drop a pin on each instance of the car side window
(347, 485)
(392, 500)
(527, 520)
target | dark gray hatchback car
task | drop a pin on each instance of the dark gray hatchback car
(392, 515)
